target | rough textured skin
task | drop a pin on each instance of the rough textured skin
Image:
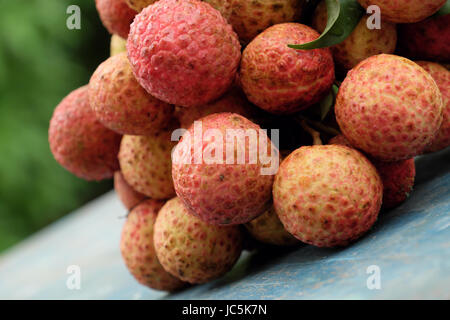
(442, 78)
(79, 142)
(138, 250)
(225, 7)
(405, 11)
(118, 45)
(138, 5)
(146, 165)
(233, 101)
(361, 43)
(427, 40)
(282, 80)
(397, 177)
(268, 228)
(116, 16)
(221, 193)
(250, 18)
(183, 52)
(192, 250)
(327, 195)
(389, 107)
(121, 104)
(398, 181)
(129, 197)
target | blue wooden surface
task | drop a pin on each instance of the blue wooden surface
(411, 246)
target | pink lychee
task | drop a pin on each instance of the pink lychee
(404, 11)
(79, 142)
(121, 104)
(116, 16)
(129, 197)
(327, 195)
(442, 78)
(138, 250)
(283, 80)
(224, 189)
(192, 250)
(183, 52)
(389, 107)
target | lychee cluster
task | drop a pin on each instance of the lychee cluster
(186, 114)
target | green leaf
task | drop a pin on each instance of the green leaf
(325, 105)
(444, 10)
(343, 16)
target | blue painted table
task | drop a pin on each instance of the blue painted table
(410, 245)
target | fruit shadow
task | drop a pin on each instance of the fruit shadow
(432, 166)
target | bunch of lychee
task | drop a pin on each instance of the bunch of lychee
(174, 115)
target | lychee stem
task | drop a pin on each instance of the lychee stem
(314, 134)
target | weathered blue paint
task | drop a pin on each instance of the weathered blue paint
(411, 246)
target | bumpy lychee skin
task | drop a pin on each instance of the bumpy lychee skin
(250, 18)
(117, 45)
(116, 16)
(138, 250)
(221, 189)
(397, 176)
(361, 43)
(79, 142)
(327, 195)
(120, 102)
(192, 250)
(283, 80)
(225, 7)
(233, 101)
(138, 5)
(427, 39)
(268, 228)
(146, 165)
(398, 181)
(405, 11)
(389, 107)
(183, 52)
(442, 78)
(129, 197)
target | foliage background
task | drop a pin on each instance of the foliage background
(41, 61)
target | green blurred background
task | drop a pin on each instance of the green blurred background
(41, 61)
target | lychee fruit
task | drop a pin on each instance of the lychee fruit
(121, 104)
(405, 11)
(146, 165)
(233, 101)
(389, 107)
(327, 195)
(225, 7)
(138, 250)
(283, 80)
(397, 176)
(361, 43)
(183, 52)
(442, 78)
(427, 39)
(192, 250)
(138, 5)
(129, 197)
(116, 16)
(219, 171)
(117, 45)
(79, 142)
(267, 228)
(250, 18)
